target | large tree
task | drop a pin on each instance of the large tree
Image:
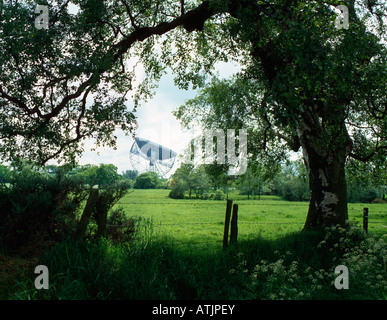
(318, 88)
(308, 86)
(63, 84)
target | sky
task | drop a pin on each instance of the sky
(155, 122)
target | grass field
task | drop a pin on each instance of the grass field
(198, 222)
(183, 257)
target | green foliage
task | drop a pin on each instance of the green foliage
(233, 104)
(36, 207)
(303, 84)
(148, 180)
(365, 181)
(299, 266)
(178, 189)
(292, 182)
(191, 179)
(217, 175)
(288, 276)
(181, 268)
(130, 174)
(293, 189)
(115, 191)
(47, 75)
(218, 195)
(252, 182)
(39, 205)
(122, 229)
(184, 178)
(102, 175)
(363, 194)
(5, 174)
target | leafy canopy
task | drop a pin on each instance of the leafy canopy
(301, 74)
(74, 80)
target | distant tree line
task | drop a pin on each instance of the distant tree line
(289, 181)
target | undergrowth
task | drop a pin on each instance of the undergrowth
(297, 266)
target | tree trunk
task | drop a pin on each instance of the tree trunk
(328, 201)
(325, 159)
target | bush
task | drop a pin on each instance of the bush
(295, 190)
(178, 188)
(176, 194)
(378, 201)
(121, 229)
(297, 279)
(206, 196)
(148, 180)
(218, 195)
(36, 207)
(357, 193)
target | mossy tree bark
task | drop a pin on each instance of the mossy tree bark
(325, 151)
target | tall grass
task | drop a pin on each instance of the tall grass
(297, 266)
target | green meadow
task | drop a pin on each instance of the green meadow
(196, 222)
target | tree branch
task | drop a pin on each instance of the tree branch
(20, 104)
(78, 132)
(190, 21)
(375, 110)
(370, 155)
(182, 8)
(129, 12)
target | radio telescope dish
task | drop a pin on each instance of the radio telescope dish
(146, 156)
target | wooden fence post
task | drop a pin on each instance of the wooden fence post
(101, 210)
(90, 204)
(365, 220)
(227, 224)
(234, 224)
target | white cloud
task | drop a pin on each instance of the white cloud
(156, 123)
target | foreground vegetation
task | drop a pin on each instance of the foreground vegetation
(296, 266)
(174, 255)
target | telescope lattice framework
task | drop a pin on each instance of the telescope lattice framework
(147, 156)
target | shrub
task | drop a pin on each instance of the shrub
(299, 279)
(148, 180)
(358, 193)
(36, 207)
(378, 201)
(206, 196)
(218, 195)
(178, 189)
(295, 190)
(121, 229)
(176, 194)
